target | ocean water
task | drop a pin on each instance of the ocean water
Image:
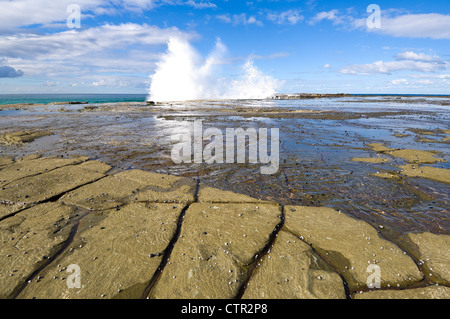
(117, 98)
(49, 98)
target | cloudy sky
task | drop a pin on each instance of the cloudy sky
(310, 45)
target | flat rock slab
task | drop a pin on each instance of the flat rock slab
(132, 186)
(378, 147)
(39, 188)
(350, 246)
(27, 240)
(431, 292)
(412, 156)
(21, 137)
(6, 210)
(214, 195)
(416, 156)
(433, 173)
(126, 234)
(6, 161)
(116, 252)
(292, 270)
(216, 245)
(385, 175)
(162, 188)
(374, 160)
(433, 253)
(33, 166)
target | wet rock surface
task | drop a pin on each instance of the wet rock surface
(319, 138)
(39, 188)
(416, 159)
(113, 251)
(350, 246)
(6, 210)
(34, 165)
(376, 160)
(136, 234)
(292, 270)
(432, 253)
(434, 173)
(135, 186)
(5, 161)
(217, 244)
(28, 240)
(21, 137)
(214, 195)
(431, 292)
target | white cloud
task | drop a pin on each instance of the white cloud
(19, 13)
(424, 82)
(394, 23)
(332, 15)
(431, 76)
(117, 51)
(406, 61)
(75, 43)
(381, 67)
(290, 17)
(110, 82)
(400, 82)
(275, 55)
(133, 5)
(109, 55)
(239, 19)
(410, 55)
(50, 83)
(224, 18)
(431, 25)
(415, 84)
(200, 4)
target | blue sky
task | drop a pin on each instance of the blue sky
(309, 45)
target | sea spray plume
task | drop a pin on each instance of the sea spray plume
(182, 74)
(253, 84)
(173, 76)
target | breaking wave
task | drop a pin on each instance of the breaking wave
(183, 74)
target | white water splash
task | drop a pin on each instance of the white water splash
(182, 74)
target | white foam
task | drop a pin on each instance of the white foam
(183, 74)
